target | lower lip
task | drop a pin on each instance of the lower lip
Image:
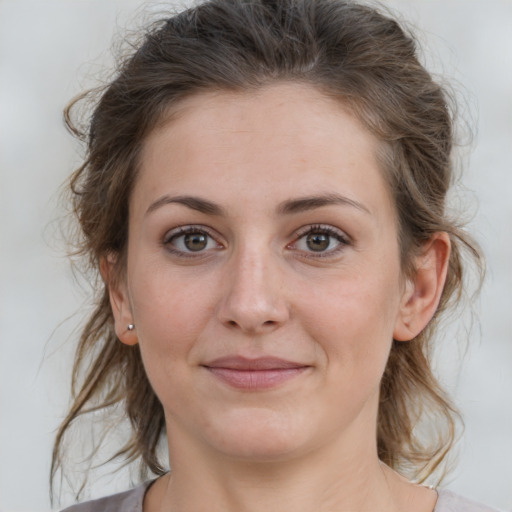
(254, 380)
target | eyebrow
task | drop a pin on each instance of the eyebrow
(312, 202)
(285, 208)
(194, 203)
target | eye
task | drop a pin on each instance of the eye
(190, 240)
(322, 240)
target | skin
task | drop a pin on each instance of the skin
(260, 287)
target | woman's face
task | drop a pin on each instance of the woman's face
(263, 272)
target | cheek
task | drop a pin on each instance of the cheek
(352, 321)
(169, 316)
(170, 313)
(167, 299)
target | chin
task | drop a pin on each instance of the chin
(259, 435)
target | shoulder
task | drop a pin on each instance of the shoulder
(451, 502)
(128, 501)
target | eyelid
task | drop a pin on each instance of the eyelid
(332, 231)
(343, 239)
(189, 229)
(325, 228)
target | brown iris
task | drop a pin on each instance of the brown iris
(317, 241)
(195, 241)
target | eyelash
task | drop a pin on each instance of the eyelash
(321, 229)
(181, 231)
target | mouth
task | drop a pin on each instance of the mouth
(254, 374)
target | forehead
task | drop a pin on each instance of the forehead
(287, 138)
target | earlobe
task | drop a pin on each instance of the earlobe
(119, 302)
(423, 290)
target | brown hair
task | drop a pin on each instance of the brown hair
(351, 52)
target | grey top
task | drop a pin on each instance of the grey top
(131, 501)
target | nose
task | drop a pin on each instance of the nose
(254, 296)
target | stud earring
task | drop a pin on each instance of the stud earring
(130, 327)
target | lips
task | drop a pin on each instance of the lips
(254, 374)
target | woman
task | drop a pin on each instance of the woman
(264, 197)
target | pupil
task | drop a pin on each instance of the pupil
(317, 242)
(195, 241)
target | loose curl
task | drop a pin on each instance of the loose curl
(351, 52)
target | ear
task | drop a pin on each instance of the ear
(119, 301)
(423, 290)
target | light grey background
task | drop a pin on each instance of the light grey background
(48, 49)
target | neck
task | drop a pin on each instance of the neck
(240, 488)
(338, 476)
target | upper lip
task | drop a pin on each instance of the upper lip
(247, 364)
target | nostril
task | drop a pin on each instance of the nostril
(267, 323)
